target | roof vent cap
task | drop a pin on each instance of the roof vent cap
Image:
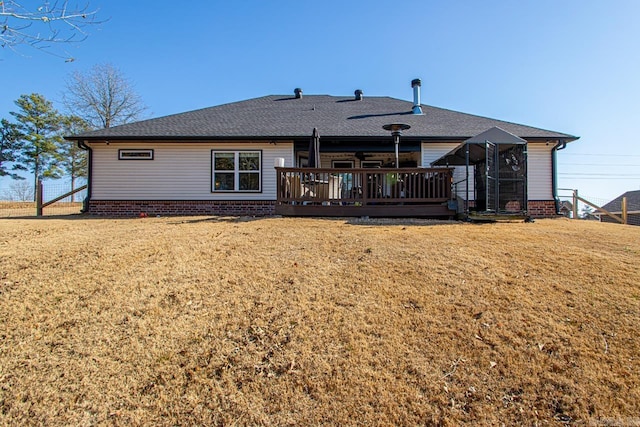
(358, 93)
(298, 92)
(417, 108)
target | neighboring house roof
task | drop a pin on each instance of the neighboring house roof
(633, 202)
(566, 205)
(282, 116)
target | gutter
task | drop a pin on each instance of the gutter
(83, 146)
(561, 145)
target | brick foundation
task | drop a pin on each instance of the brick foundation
(537, 208)
(542, 209)
(181, 207)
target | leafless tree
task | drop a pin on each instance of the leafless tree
(50, 23)
(19, 191)
(103, 97)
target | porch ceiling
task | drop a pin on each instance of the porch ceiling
(382, 146)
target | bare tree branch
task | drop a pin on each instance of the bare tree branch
(52, 23)
(102, 97)
(20, 191)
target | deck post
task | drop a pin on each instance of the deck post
(365, 188)
(278, 185)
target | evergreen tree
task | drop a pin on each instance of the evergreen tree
(72, 160)
(10, 147)
(39, 123)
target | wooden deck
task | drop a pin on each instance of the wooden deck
(405, 192)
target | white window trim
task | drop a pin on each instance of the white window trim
(236, 172)
(122, 154)
(371, 163)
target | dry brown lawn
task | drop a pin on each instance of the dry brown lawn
(26, 209)
(276, 321)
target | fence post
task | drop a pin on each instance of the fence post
(39, 198)
(575, 204)
(624, 210)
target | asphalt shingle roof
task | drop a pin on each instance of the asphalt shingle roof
(283, 116)
(633, 202)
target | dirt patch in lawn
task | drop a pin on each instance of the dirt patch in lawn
(276, 321)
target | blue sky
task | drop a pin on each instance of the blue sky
(571, 66)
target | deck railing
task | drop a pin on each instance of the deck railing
(363, 187)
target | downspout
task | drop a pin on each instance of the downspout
(83, 146)
(466, 168)
(561, 145)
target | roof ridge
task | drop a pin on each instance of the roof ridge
(341, 116)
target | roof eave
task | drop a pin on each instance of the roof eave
(201, 138)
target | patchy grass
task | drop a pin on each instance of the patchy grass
(205, 321)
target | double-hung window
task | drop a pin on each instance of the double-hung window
(236, 171)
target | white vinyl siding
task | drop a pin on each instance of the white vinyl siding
(178, 171)
(433, 151)
(539, 172)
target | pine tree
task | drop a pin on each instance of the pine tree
(39, 123)
(10, 147)
(72, 160)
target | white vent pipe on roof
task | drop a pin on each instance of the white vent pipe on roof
(415, 84)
